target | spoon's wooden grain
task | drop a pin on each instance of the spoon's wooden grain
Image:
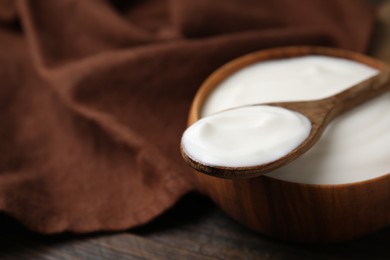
(319, 112)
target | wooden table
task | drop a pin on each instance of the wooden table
(195, 228)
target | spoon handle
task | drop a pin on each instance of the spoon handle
(360, 92)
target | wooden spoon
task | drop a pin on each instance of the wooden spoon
(319, 112)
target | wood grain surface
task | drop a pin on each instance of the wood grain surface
(195, 228)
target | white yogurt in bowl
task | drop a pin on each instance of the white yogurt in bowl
(355, 147)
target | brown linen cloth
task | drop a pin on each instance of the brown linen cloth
(94, 96)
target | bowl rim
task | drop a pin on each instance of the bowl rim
(220, 74)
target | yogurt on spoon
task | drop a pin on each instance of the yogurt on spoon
(246, 136)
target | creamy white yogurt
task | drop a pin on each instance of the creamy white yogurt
(246, 136)
(355, 147)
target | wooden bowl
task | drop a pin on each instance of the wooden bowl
(295, 211)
